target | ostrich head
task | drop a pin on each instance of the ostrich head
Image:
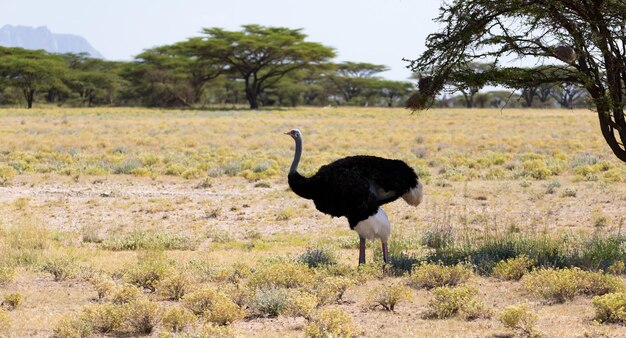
(295, 133)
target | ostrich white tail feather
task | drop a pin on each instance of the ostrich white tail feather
(415, 195)
(375, 226)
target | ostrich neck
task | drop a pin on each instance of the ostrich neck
(296, 157)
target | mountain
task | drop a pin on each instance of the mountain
(42, 38)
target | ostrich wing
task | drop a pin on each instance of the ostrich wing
(346, 192)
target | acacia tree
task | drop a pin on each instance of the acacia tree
(260, 55)
(567, 94)
(353, 78)
(587, 38)
(31, 71)
(392, 91)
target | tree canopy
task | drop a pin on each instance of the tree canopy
(259, 55)
(584, 39)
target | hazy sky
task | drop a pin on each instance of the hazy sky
(381, 31)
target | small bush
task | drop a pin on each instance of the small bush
(389, 297)
(569, 192)
(438, 236)
(213, 306)
(552, 186)
(402, 263)
(317, 257)
(331, 323)
(458, 301)
(175, 286)
(178, 319)
(91, 234)
(616, 268)
(560, 285)
(536, 169)
(610, 308)
(331, 289)
(104, 318)
(12, 301)
(6, 175)
(512, 268)
(271, 302)
(72, 326)
(286, 275)
(430, 275)
(103, 285)
(7, 274)
(125, 293)
(286, 214)
(61, 268)
(520, 317)
(301, 303)
(141, 316)
(151, 268)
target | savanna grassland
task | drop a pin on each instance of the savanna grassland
(155, 222)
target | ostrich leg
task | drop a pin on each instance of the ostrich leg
(362, 250)
(385, 252)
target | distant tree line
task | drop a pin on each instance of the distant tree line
(256, 66)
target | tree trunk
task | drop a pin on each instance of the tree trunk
(609, 133)
(29, 95)
(252, 98)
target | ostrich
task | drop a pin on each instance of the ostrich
(356, 187)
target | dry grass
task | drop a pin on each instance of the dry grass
(206, 192)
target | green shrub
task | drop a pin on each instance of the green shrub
(457, 301)
(125, 293)
(6, 175)
(72, 326)
(151, 268)
(301, 303)
(141, 316)
(616, 268)
(103, 285)
(12, 301)
(613, 175)
(402, 263)
(61, 267)
(330, 290)
(149, 240)
(536, 169)
(331, 323)
(520, 317)
(438, 236)
(560, 285)
(512, 268)
(569, 192)
(317, 257)
(7, 274)
(389, 297)
(104, 318)
(430, 275)
(610, 308)
(178, 319)
(175, 286)
(552, 186)
(271, 302)
(213, 306)
(127, 166)
(286, 275)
